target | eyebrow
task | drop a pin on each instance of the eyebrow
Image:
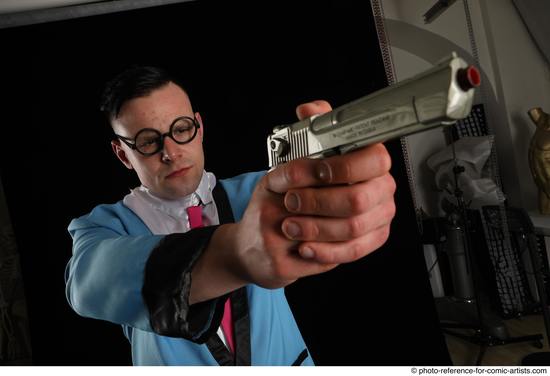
(192, 116)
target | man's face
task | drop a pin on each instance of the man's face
(176, 170)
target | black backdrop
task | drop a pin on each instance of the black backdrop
(246, 68)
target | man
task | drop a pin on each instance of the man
(142, 263)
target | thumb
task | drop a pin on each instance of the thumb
(306, 110)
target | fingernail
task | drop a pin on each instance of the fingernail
(324, 172)
(292, 202)
(293, 230)
(306, 253)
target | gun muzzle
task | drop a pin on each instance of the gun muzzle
(468, 78)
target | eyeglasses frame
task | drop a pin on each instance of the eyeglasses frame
(132, 142)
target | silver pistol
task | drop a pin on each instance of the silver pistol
(439, 96)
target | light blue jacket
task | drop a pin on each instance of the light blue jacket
(104, 278)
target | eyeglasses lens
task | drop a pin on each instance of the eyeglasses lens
(183, 130)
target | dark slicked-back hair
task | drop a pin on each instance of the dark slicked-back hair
(134, 82)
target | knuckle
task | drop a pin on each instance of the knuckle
(385, 212)
(356, 227)
(311, 201)
(392, 209)
(318, 205)
(383, 235)
(360, 202)
(384, 159)
(311, 231)
(348, 171)
(292, 173)
(392, 185)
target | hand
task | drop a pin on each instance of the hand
(307, 216)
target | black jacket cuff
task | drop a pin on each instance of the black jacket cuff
(167, 284)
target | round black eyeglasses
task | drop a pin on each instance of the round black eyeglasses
(149, 141)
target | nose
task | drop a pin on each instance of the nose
(170, 150)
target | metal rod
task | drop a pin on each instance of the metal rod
(76, 11)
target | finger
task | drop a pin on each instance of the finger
(303, 267)
(344, 252)
(360, 165)
(342, 200)
(321, 229)
(312, 108)
(287, 265)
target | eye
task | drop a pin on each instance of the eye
(182, 128)
(147, 141)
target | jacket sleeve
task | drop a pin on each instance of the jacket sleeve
(109, 276)
(167, 285)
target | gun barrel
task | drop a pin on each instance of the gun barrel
(436, 97)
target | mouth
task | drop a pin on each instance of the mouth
(181, 172)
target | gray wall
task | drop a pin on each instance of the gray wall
(516, 78)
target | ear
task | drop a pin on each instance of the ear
(201, 128)
(121, 154)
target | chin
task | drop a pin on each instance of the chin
(181, 190)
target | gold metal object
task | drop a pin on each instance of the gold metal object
(539, 156)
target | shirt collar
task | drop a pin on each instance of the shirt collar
(176, 208)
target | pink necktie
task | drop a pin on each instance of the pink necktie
(194, 214)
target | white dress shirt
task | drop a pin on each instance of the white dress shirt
(164, 217)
